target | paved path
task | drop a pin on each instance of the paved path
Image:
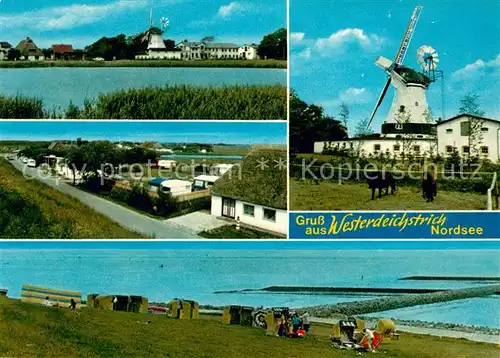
(127, 218)
(196, 222)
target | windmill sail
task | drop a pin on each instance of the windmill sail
(379, 101)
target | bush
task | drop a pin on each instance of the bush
(20, 107)
(120, 194)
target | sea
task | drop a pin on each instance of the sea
(198, 274)
(59, 86)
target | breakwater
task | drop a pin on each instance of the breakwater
(333, 290)
(395, 302)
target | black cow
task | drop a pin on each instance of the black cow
(382, 180)
(429, 187)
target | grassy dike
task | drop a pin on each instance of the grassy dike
(28, 330)
(169, 102)
(148, 63)
(31, 209)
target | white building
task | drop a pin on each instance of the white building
(450, 134)
(4, 50)
(453, 133)
(208, 50)
(29, 51)
(257, 198)
(248, 52)
(157, 50)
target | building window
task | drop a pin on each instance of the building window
(416, 148)
(249, 210)
(396, 147)
(376, 147)
(484, 129)
(465, 149)
(449, 131)
(399, 126)
(416, 104)
(270, 215)
(420, 136)
(484, 150)
(449, 149)
(464, 128)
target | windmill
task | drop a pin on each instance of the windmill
(410, 88)
(154, 35)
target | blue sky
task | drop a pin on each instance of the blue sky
(205, 132)
(335, 44)
(81, 22)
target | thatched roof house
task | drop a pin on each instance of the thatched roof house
(30, 51)
(255, 191)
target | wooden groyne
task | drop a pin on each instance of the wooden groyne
(450, 278)
(402, 301)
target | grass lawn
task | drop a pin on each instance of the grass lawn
(28, 330)
(327, 195)
(149, 63)
(230, 232)
(65, 217)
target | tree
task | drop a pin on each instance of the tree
(274, 45)
(208, 39)
(344, 115)
(407, 140)
(469, 106)
(75, 160)
(429, 118)
(362, 129)
(309, 124)
(14, 54)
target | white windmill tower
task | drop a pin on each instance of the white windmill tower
(154, 35)
(410, 94)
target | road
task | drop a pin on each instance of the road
(127, 218)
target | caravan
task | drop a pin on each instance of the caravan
(203, 182)
(176, 187)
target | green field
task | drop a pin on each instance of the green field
(28, 330)
(149, 63)
(327, 195)
(31, 209)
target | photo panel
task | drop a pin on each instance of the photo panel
(406, 299)
(143, 180)
(143, 59)
(393, 126)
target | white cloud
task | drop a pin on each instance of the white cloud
(297, 37)
(232, 8)
(342, 37)
(307, 53)
(476, 69)
(350, 96)
(66, 17)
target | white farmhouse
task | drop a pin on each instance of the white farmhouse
(454, 133)
(208, 50)
(248, 52)
(255, 196)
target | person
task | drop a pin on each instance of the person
(369, 338)
(47, 302)
(305, 321)
(281, 326)
(72, 305)
(115, 301)
(295, 322)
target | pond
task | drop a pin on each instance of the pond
(58, 86)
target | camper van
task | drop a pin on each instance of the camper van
(176, 187)
(155, 183)
(167, 164)
(203, 182)
(221, 169)
(31, 163)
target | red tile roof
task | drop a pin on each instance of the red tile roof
(62, 48)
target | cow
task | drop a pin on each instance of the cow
(382, 180)
(429, 187)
